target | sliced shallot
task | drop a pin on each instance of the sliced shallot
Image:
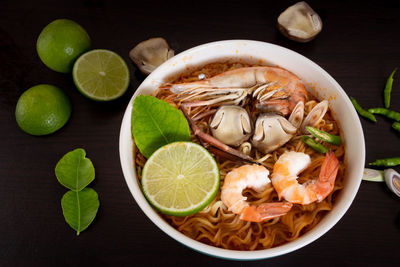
(315, 115)
(296, 118)
(392, 179)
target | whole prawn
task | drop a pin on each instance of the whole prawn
(275, 89)
(255, 177)
(290, 164)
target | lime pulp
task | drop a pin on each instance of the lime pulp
(101, 75)
(180, 178)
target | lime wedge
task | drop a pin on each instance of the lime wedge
(180, 178)
(101, 75)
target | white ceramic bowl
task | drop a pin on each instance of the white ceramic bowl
(320, 84)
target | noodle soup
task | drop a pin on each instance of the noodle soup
(217, 225)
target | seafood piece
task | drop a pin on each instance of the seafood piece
(315, 115)
(255, 177)
(231, 125)
(299, 22)
(290, 164)
(150, 54)
(271, 132)
(214, 145)
(275, 89)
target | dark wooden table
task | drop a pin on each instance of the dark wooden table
(359, 46)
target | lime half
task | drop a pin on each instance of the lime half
(180, 178)
(101, 75)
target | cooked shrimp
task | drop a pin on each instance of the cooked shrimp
(290, 164)
(275, 89)
(255, 177)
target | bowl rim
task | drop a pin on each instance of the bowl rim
(211, 250)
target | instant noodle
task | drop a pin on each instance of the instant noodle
(216, 225)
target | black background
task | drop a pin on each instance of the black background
(359, 46)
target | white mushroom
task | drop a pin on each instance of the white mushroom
(299, 22)
(315, 115)
(271, 132)
(231, 125)
(150, 54)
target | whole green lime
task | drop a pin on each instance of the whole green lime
(60, 43)
(42, 109)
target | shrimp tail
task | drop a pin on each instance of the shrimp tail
(265, 211)
(327, 176)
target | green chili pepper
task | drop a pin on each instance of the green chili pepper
(388, 162)
(396, 126)
(386, 112)
(362, 111)
(314, 144)
(388, 89)
(324, 136)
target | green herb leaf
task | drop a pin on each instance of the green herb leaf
(74, 171)
(80, 208)
(156, 123)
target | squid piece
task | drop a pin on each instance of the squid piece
(214, 145)
(231, 125)
(271, 132)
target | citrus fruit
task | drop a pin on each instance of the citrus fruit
(180, 178)
(101, 75)
(42, 109)
(60, 43)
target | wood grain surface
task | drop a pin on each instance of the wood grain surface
(359, 46)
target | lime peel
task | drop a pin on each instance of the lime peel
(42, 109)
(60, 43)
(180, 178)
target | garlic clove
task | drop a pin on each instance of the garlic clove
(150, 54)
(392, 179)
(300, 22)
